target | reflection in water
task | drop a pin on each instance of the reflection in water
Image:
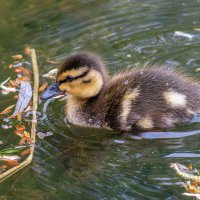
(156, 135)
(77, 163)
(183, 155)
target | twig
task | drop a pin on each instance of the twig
(2, 85)
(28, 160)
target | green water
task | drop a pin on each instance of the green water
(77, 163)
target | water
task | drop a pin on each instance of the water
(77, 163)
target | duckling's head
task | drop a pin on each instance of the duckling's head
(81, 75)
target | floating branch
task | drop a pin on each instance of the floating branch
(28, 160)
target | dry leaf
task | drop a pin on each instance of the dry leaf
(25, 138)
(10, 66)
(30, 140)
(16, 97)
(22, 141)
(25, 152)
(198, 69)
(11, 117)
(8, 89)
(26, 71)
(17, 57)
(25, 94)
(19, 117)
(28, 108)
(7, 110)
(13, 83)
(196, 29)
(27, 134)
(192, 189)
(51, 74)
(43, 87)
(20, 128)
(17, 70)
(11, 162)
(5, 92)
(27, 50)
(190, 166)
(24, 78)
(20, 134)
(3, 167)
(52, 62)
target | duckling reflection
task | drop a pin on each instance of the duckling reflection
(143, 99)
(80, 162)
(81, 158)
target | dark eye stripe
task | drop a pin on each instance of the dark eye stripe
(71, 78)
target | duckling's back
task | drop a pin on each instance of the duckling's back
(150, 98)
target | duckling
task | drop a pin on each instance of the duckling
(142, 99)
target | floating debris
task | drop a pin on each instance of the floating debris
(27, 50)
(9, 89)
(9, 160)
(12, 156)
(7, 110)
(25, 95)
(5, 126)
(185, 172)
(43, 135)
(52, 62)
(192, 176)
(17, 57)
(20, 128)
(51, 74)
(3, 167)
(15, 65)
(182, 34)
(5, 92)
(9, 157)
(196, 29)
(25, 152)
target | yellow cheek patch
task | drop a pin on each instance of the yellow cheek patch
(64, 87)
(72, 72)
(81, 90)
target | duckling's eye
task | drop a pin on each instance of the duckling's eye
(69, 79)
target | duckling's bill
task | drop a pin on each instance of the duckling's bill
(51, 91)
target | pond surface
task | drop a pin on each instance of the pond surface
(77, 163)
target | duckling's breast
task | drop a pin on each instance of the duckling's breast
(84, 113)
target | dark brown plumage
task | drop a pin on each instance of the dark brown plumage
(152, 83)
(143, 99)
